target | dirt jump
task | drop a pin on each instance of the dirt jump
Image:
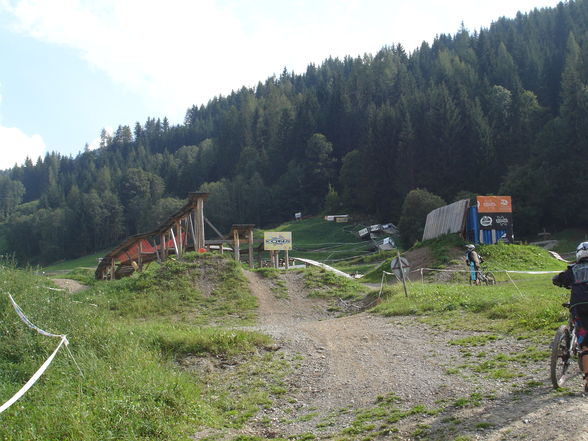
(348, 365)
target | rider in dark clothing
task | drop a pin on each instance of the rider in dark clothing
(473, 260)
(576, 279)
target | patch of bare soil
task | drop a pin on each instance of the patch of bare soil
(71, 286)
(421, 258)
(345, 365)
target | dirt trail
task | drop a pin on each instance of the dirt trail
(69, 285)
(347, 363)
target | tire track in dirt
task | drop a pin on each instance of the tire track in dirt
(347, 362)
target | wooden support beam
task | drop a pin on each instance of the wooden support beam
(163, 247)
(191, 222)
(179, 240)
(222, 236)
(200, 222)
(140, 258)
(250, 238)
(236, 245)
(112, 268)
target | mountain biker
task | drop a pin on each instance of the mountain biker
(576, 279)
(473, 260)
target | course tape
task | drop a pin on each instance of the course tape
(495, 271)
(27, 322)
(33, 379)
(43, 367)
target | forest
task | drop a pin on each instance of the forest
(502, 110)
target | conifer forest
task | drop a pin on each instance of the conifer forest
(503, 110)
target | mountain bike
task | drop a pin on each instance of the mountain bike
(564, 350)
(485, 277)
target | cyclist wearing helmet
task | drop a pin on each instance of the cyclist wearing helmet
(473, 261)
(576, 279)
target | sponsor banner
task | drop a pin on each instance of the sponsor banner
(277, 241)
(494, 204)
(495, 221)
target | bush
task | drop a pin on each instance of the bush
(417, 204)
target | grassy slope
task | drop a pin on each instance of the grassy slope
(317, 239)
(520, 303)
(125, 335)
(90, 261)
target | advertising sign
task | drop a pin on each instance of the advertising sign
(494, 204)
(277, 241)
(495, 221)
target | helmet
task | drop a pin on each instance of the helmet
(471, 247)
(582, 251)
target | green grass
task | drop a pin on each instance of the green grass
(318, 239)
(533, 304)
(278, 286)
(135, 340)
(90, 261)
(519, 257)
(326, 284)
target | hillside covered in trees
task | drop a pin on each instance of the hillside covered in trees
(503, 110)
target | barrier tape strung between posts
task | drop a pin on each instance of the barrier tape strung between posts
(43, 367)
(496, 271)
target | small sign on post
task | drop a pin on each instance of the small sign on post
(276, 241)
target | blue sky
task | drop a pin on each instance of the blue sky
(69, 68)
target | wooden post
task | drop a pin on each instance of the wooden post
(163, 247)
(236, 244)
(401, 272)
(200, 222)
(222, 248)
(140, 258)
(250, 248)
(193, 232)
(179, 239)
(287, 260)
(272, 259)
(112, 268)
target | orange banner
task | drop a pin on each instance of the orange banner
(494, 204)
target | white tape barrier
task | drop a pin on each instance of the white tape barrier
(33, 379)
(495, 271)
(27, 322)
(43, 367)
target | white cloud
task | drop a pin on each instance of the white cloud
(184, 52)
(95, 143)
(16, 146)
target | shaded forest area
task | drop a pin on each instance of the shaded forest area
(500, 111)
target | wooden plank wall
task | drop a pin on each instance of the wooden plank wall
(445, 220)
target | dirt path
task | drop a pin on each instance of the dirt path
(69, 285)
(347, 364)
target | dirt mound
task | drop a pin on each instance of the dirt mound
(422, 261)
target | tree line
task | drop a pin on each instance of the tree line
(503, 110)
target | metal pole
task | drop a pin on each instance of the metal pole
(401, 272)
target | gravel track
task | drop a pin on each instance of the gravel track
(345, 363)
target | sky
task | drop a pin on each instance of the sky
(69, 68)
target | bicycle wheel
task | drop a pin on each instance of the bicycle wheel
(560, 356)
(489, 278)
